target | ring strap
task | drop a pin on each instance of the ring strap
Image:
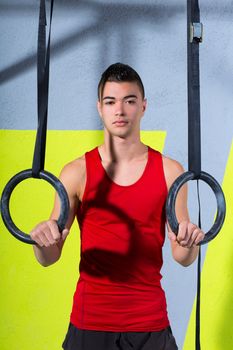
(43, 59)
(198, 301)
(194, 38)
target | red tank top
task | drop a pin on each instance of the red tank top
(122, 234)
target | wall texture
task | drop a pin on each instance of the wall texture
(87, 36)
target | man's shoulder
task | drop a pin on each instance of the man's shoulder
(172, 169)
(172, 164)
(77, 164)
(74, 172)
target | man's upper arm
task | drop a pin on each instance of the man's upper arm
(72, 177)
(172, 170)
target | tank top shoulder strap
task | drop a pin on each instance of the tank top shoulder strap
(91, 156)
(155, 155)
(94, 170)
(156, 167)
(93, 161)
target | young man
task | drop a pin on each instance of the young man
(118, 191)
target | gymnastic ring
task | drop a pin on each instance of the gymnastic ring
(5, 202)
(221, 203)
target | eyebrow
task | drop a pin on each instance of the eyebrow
(125, 98)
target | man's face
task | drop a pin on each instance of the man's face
(121, 108)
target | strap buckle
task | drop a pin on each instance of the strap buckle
(196, 32)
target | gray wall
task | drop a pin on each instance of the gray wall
(87, 36)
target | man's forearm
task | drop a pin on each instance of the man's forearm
(47, 255)
(185, 256)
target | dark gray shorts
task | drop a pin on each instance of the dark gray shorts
(78, 339)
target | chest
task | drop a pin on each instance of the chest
(127, 173)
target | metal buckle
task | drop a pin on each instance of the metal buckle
(196, 32)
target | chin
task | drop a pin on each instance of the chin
(120, 133)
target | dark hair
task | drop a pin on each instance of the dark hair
(119, 72)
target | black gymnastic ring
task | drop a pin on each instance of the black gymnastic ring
(5, 202)
(221, 203)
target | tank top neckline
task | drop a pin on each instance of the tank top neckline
(125, 186)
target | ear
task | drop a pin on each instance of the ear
(144, 105)
(99, 108)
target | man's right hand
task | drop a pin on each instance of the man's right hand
(46, 234)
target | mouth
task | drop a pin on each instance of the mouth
(120, 122)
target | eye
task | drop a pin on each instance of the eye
(109, 102)
(131, 102)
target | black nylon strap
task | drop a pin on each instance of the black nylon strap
(194, 124)
(43, 59)
(198, 302)
(194, 129)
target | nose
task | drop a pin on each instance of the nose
(119, 111)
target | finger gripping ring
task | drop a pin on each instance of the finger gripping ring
(221, 204)
(6, 195)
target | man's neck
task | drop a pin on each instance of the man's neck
(120, 150)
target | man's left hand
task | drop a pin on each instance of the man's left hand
(189, 235)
